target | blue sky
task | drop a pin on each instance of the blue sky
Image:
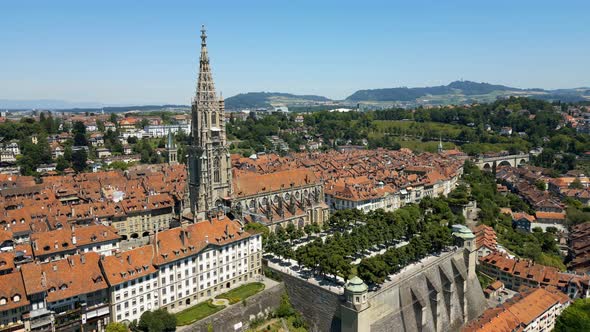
(120, 52)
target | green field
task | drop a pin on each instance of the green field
(196, 313)
(419, 146)
(241, 293)
(412, 128)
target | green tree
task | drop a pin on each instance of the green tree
(116, 327)
(576, 184)
(157, 321)
(79, 131)
(540, 185)
(79, 159)
(62, 164)
(100, 126)
(574, 318)
(144, 123)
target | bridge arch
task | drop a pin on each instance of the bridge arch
(505, 163)
(487, 166)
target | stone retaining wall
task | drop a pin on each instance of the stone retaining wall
(258, 305)
(319, 307)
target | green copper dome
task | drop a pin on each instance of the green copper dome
(356, 285)
(463, 232)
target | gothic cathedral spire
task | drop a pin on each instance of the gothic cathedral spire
(210, 176)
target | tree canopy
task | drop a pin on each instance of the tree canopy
(574, 318)
(157, 321)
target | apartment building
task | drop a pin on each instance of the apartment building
(198, 261)
(133, 283)
(13, 302)
(515, 273)
(533, 310)
(67, 294)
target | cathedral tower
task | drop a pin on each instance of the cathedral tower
(210, 176)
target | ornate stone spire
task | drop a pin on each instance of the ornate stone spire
(209, 162)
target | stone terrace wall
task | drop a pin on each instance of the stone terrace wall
(442, 288)
(320, 308)
(440, 296)
(257, 305)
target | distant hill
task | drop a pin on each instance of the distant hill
(462, 91)
(269, 99)
(457, 92)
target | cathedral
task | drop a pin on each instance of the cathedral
(209, 164)
(272, 199)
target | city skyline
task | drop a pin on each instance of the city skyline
(130, 54)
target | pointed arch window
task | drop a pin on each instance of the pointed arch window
(214, 119)
(216, 170)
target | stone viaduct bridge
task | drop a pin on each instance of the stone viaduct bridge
(489, 162)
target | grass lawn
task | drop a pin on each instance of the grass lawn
(412, 128)
(196, 313)
(241, 293)
(419, 146)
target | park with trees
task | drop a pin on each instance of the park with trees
(401, 237)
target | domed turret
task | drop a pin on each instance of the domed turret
(355, 292)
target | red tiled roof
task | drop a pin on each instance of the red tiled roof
(550, 215)
(248, 183)
(180, 242)
(517, 313)
(12, 285)
(128, 265)
(76, 275)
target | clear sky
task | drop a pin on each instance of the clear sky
(119, 52)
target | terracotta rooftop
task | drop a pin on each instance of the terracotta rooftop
(128, 265)
(517, 313)
(526, 269)
(249, 183)
(76, 275)
(13, 291)
(180, 242)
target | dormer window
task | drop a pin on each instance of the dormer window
(16, 298)
(62, 287)
(52, 289)
(3, 301)
(46, 248)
